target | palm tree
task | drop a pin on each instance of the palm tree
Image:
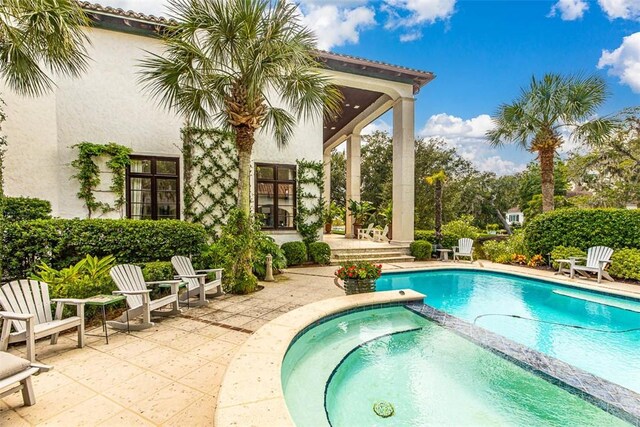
(242, 65)
(37, 34)
(550, 106)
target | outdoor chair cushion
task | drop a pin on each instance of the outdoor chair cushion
(11, 365)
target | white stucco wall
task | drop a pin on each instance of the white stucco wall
(107, 104)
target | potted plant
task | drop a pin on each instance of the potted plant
(331, 212)
(361, 212)
(387, 214)
(358, 276)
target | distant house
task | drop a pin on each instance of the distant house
(515, 216)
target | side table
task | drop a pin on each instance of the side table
(103, 301)
(444, 254)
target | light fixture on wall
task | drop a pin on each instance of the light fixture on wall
(286, 194)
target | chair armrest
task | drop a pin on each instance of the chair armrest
(577, 257)
(210, 270)
(41, 367)
(15, 316)
(604, 261)
(69, 301)
(164, 282)
(454, 249)
(191, 276)
(141, 292)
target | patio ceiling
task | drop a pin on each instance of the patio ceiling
(355, 102)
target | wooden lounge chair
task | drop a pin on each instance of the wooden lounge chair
(16, 372)
(598, 257)
(381, 235)
(196, 280)
(464, 249)
(366, 233)
(130, 282)
(24, 299)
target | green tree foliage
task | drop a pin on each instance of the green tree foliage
(530, 182)
(534, 207)
(339, 178)
(376, 168)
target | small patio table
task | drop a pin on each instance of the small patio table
(444, 254)
(561, 263)
(103, 301)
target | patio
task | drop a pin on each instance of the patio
(171, 374)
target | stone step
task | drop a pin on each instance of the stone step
(380, 250)
(374, 259)
(356, 254)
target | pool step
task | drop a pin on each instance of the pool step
(380, 255)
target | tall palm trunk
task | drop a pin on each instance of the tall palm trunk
(547, 156)
(438, 197)
(244, 144)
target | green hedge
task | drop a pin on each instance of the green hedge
(430, 236)
(563, 252)
(61, 243)
(25, 209)
(295, 252)
(157, 270)
(320, 253)
(421, 249)
(625, 264)
(583, 228)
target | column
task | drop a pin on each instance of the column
(403, 171)
(353, 177)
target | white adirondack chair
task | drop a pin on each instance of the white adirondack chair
(598, 257)
(197, 280)
(464, 249)
(24, 299)
(365, 233)
(16, 372)
(381, 235)
(130, 282)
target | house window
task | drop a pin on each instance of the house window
(276, 195)
(514, 218)
(153, 188)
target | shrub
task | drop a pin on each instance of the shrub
(25, 209)
(502, 251)
(295, 252)
(461, 228)
(625, 264)
(265, 245)
(320, 253)
(563, 252)
(157, 270)
(584, 228)
(430, 236)
(236, 245)
(421, 249)
(62, 242)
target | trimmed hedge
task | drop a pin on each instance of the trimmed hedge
(62, 242)
(421, 249)
(625, 264)
(583, 228)
(25, 209)
(563, 252)
(320, 253)
(295, 252)
(157, 270)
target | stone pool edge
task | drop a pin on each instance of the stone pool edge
(251, 391)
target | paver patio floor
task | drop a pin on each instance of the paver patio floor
(169, 374)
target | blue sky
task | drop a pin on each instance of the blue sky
(483, 52)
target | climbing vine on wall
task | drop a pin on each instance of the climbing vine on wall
(88, 174)
(210, 176)
(309, 199)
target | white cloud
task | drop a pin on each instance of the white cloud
(468, 138)
(624, 9)
(378, 125)
(624, 62)
(335, 26)
(570, 10)
(411, 15)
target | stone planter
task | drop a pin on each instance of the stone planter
(327, 228)
(359, 286)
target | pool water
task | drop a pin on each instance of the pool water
(467, 294)
(335, 372)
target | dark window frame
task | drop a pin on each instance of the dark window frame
(275, 182)
(154, 187)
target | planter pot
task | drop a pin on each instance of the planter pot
(356, 229)
(359, 286)
(327, 228)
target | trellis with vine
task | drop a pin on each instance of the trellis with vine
(210, 176)
(310, 203)
(88, 174)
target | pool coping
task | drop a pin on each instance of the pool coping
(251, 391)
(608, 396)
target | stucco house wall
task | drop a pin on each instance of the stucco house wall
(107, 104)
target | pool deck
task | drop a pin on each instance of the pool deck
(171, 374)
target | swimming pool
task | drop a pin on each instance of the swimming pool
(468, 294)
(335, 373)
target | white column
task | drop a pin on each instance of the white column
(326, 160)
(403, 171)
(353, 177)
